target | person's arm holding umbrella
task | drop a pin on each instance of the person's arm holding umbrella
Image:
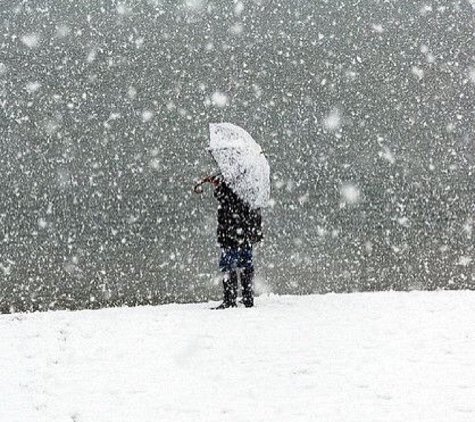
(213, 179)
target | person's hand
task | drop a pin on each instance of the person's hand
(197, 188)
(207, 179)
(211, 179)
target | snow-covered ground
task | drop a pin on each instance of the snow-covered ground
(360, 357)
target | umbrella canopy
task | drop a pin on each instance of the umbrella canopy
(242, 163)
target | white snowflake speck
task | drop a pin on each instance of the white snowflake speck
(63, 31)
(418, 72)
(387, 155)
(31, 40)
(236, 29)
(155, 163)
(332, 122)
(238, 8)
(219, 99)
(147, 115)
(123, 9)
(91, 55)
(377, 28)
(304, 199)
(131, 92)
(464, 261)
(349, 194)
(42, 223)
(33, 86)
(194, 5)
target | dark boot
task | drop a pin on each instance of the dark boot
(247, 276)
(230, 286)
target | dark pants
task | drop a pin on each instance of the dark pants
(230, 262)
(230, 287)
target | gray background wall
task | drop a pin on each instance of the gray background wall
(364, 108)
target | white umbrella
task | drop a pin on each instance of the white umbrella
(242, 163)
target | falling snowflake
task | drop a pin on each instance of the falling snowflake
(194, 5)
(155, 163)
(304, 199)
(332, 121)
(236, 29)
(418, 72)
(147, 115)
(123, 9)
(349, 194)
(238, 8)
(42, 223)
(464, 261)
(219, 99)
(33, 86)
(387, 155)
(63, 31)
(131, 92)
(31, 40)
(377, 28)
(91, 55)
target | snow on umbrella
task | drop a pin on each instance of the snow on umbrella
(242, 163)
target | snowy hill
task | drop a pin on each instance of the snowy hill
(359, 357)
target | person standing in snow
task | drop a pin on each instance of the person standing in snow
(239, 228)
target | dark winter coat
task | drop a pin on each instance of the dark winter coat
(238, 224)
